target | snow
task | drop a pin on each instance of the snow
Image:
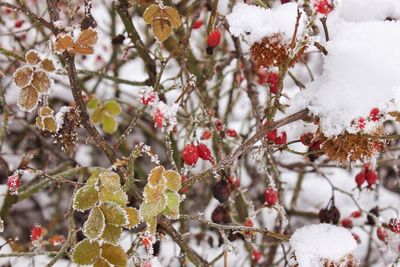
(312, 243)
(253, 22)
(360, 73)
(367, 10)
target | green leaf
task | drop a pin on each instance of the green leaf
(92, 103)
(153, 194)
(119, 196)
(112, 234)
(173, 202)
(102, 263)
(133, 217)
(110, 180)
(152, 209)
(86, 252)
(94, 226)
(174, 181)
(85, 198)
(112, 107)
(114, 254)
(94, 177)
(114, 214)
(152, 225)
(110, 125)
(98, 115)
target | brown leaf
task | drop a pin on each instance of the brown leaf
(48, 65)
(151, 13)
(161, 28)
(86, 40)
(41, 82)
(32, 57)
(64, 42)
(173, 16)
(28, 98)
(23, 76)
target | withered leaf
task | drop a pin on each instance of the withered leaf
(162, 28)
(28, 98)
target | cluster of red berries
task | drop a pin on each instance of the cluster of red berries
(394, 225)
(366, 175)
(213, 40)
(219, 126)
(375, 115)
(13, 183)
(271, 196)
(272, 79)
(330, 214)
(191, 154)
(37, 234)
(256, 255)
(323, 6)
(277, 139)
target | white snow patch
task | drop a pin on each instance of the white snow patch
(368, 10)
(312, 243)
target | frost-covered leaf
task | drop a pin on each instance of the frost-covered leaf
(112, 107)
(86, 252)
(173, 16)
(45, 111)
(133, 217)
(114, 254)
(110, 180)
(174, 181)
(173, 202)
(46, 123)
(109, 124)
(162, 28)
(63, 42)
(41, 82)
(86, 40)
(102, 263)
(28, 99)
(94, 226)
(151, 13)
(155, 177)
(23, 76)
(114, 213)
(151, 209)
(94, 177)
(47, 65)
(85, 198)
(32, 57)
(152, 224)
(119, 196)
(153, 194)
(112, 234)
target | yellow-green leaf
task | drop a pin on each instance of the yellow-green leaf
(155, 177)
(110, 180)
(114, 213)
(50, 124)
(152, 209)
(85, 198)
(109, 124)
(151, 13)
(119, 196)
(112, 108)
(114, 254)
(98, 115)
(173, 202)
(94, 177)
(102, 263)
(94, 226)
(133, 217)
(174, 181)
(162, 28)
(112, 234)
(153, 194)
(152, 225)
(173, 16)
(92, 103)
(86, 252)
(45, 111)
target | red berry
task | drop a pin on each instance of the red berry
(219, 125)
(158, 118)
(221, 191)
(356, 214)
(372, 178)
(206, 135)
(394, 225)
(262, 77)
(360, 179)
(18, 23)
(356, 237)
(281, 139)
(285, 1)
(273, 80)
(271, 196)
(374, 114)
(248, 223)
(347, 223)
(323, 6)
(361, 124)
(256, 255)
(213, 39)
(382, 234)
(204, 152)
(13, 183)
(271, 135)
(221, 215)
(37, 233)
(315, 146)
(307, 139)
(197, 24)
(231, 133)
(190, 154)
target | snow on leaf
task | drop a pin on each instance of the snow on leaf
(28, 99)
(114, 254)
(85, 198)
(23, 76)
(94, 226)
(86, 252)
(41, 82)
(112, 234)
